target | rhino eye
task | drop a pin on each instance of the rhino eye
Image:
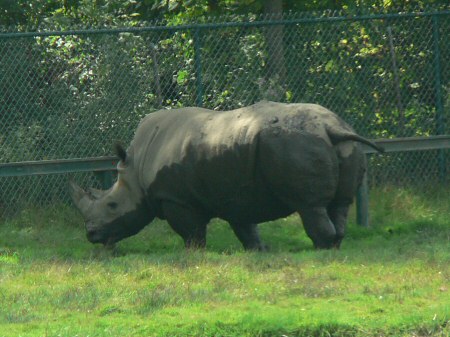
(112, 205)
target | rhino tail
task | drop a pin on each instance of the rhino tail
(337, 136)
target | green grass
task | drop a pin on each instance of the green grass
(390, 280)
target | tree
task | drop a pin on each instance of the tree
(273, 9)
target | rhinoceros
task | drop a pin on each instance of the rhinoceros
(246, 166)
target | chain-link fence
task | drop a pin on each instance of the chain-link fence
(72, 94)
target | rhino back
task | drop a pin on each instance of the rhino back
(184, 137)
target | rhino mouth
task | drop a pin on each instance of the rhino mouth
(96, 237)
(108, 243)
(107, 239)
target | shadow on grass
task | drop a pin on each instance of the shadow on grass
(404, 223)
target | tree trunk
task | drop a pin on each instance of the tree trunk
(274, 39)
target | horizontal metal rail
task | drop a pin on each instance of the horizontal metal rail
(411, 144)
(30, 168)
(98, 164)
(209, 26)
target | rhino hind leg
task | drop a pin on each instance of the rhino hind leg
(351, 172)
(249, 236)
(338, 215)
(318, 227)
(187, 222)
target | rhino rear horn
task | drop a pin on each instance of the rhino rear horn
(95, 193)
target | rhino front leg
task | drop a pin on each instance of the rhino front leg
(187, 222)
(249, 236)
(318, 227)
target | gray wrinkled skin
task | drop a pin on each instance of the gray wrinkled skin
(246, 166)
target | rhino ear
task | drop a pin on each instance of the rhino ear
(121, 153)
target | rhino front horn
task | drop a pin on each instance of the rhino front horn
(79, 197)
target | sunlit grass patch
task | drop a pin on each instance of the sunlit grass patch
(8, 256)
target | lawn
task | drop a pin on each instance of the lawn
(392, 279)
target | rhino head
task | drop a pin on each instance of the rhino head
(116, 213)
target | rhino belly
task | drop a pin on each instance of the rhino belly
(252, 204)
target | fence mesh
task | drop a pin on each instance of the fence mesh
(73, 94)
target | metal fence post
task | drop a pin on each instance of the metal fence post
(154, 51)
(362, 203)
(396, 77)
(198, 68)
(440, 127)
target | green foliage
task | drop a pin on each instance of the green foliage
(112, 12)
(388, 280)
